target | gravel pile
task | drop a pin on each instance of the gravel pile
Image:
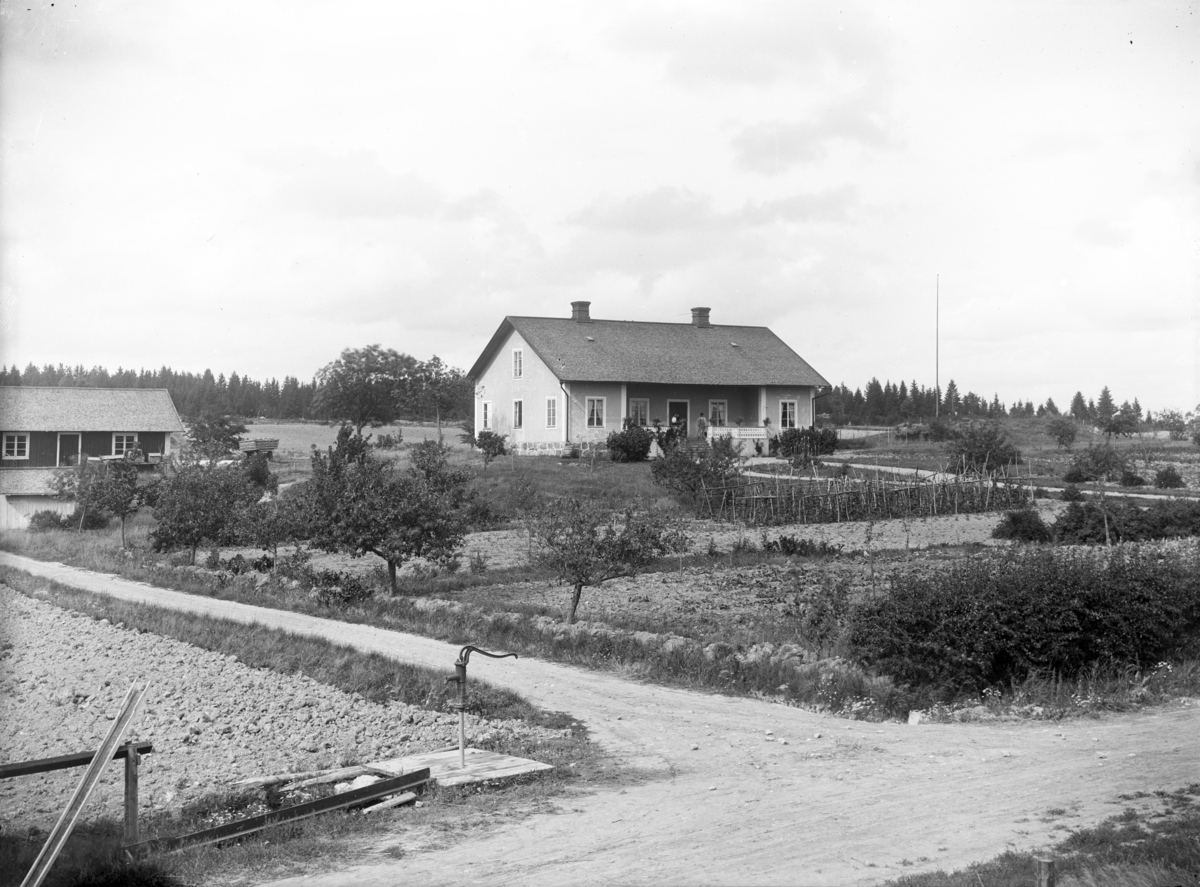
(212, 719)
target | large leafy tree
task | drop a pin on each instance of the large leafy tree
(433, 389)
(363, 505)
(360, 386)
(585, 546)
(213, 436)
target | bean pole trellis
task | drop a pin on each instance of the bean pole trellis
(786, 501)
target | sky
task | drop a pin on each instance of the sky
(1003, 194)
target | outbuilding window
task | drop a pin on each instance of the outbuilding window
(123, 443)
(16, 445)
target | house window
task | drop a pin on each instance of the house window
(718, 412)
(551, 412)
(518, 364)
(639, 411)
(787, 414)
(487, 415)
(518, 413)
(123, 443)
(16, 446)
(595, 412)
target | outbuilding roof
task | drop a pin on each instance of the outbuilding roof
(27, 481)
(665, 353)
(27, 408)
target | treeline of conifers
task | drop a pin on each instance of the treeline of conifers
(888, 404)
(196, 394)
(203, 394)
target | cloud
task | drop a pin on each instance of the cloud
(668, 211)
(773, 147)
(756, 44)
(663, 210)
(1101, 233)
(832, 205)
(353, 185)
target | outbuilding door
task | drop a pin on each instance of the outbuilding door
(68, 449)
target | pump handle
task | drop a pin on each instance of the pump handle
(464, 655)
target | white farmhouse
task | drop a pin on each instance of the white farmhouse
(551, 383)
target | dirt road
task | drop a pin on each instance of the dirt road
(747, 792)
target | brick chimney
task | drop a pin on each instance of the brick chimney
(579, 312)
(700, 317)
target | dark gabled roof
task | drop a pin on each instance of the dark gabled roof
(665, 353)
(24, 408)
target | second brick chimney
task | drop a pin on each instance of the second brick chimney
(700, 317)
(580, 313)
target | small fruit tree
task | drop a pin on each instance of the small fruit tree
(363, 505)
(586, 546)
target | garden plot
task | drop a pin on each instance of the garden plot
(211, 718)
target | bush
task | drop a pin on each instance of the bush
(1168, 478)
(1084, 523)
(630, 444)
(1023, 525)
(1129, 479)
(48, 520)
(982, 447)
(52, 520)
(389, 441)
(468, 431)
(791, 546)
(257, 469)
(682, 472)
(336, 587)
(1071, 493)
(999, 619)
(491, 445)
(1097, 462)
(804, 445)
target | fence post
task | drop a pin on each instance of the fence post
(132, 763)
(1045, 872)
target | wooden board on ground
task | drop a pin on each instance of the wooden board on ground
(481, 765)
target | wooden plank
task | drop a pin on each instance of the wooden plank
(65, 762)
(481, 766)
(391, 802)
(242, 827)
(87, 785)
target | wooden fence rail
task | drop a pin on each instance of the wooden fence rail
(788, 502)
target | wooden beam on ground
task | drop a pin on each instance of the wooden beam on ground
(263, 781)
(65, 762)
(331, 776)
(87, 785)
(241, 827)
